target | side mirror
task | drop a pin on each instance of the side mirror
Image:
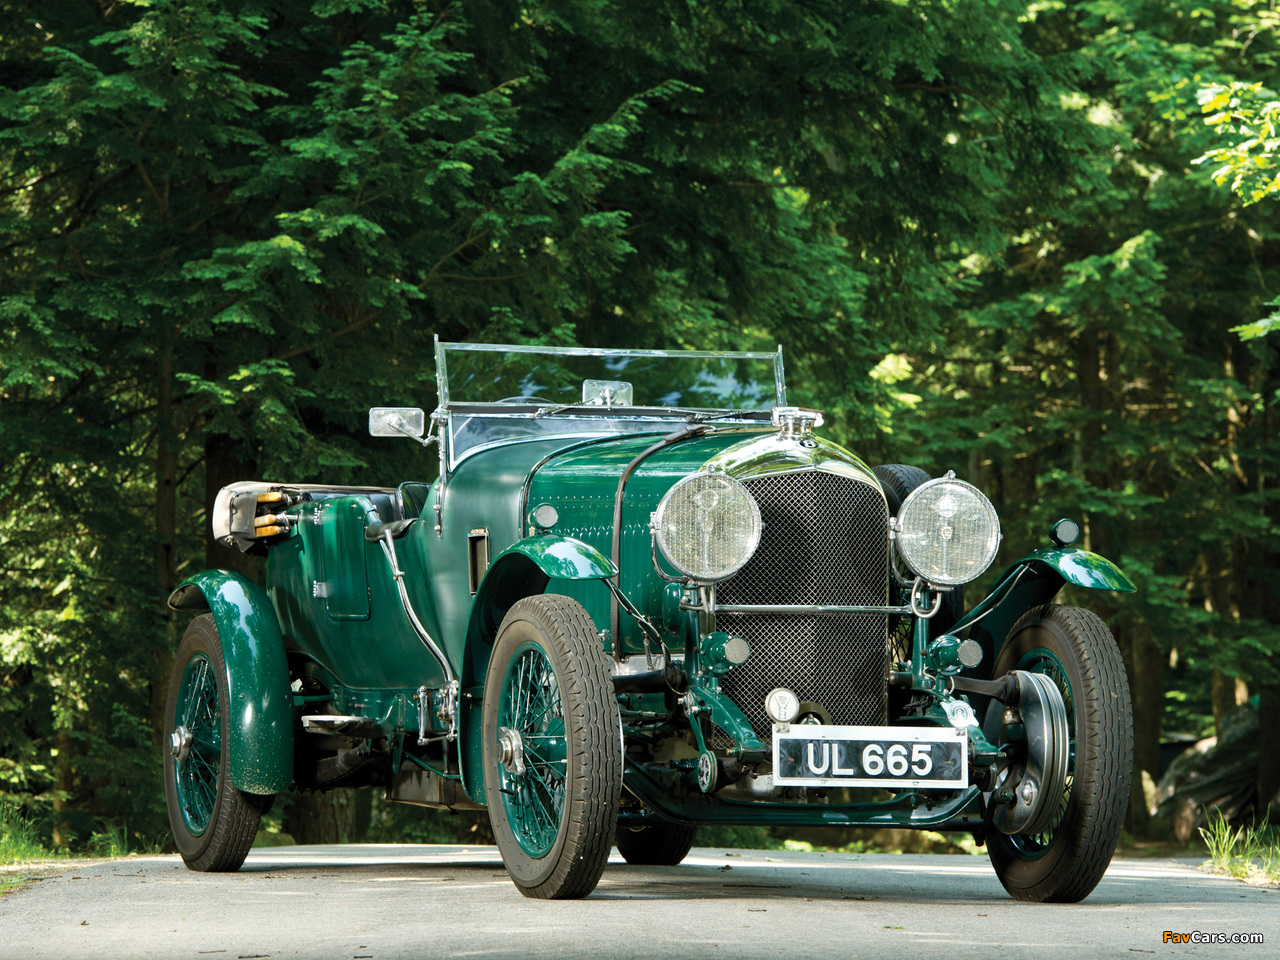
(397, 422)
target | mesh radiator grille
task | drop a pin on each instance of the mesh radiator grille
(825, 540)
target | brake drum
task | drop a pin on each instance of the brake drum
(1038, 777)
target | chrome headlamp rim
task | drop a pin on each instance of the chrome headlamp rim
(657, 526)
(900, 527)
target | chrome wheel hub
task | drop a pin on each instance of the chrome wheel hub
(180, 743)
(511, 751)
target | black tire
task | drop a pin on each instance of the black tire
(657, 845)
(213, 822)
(547, 648)
(1074, 648)
(898, 480)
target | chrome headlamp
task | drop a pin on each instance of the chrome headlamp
(947, 531)
(707, 526)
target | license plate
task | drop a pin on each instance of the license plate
(807, 755)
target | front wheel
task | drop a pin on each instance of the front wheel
(552, 748)
(1062, 863)
(213, 822)
(657, 845)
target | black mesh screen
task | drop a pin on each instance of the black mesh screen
(825, 540)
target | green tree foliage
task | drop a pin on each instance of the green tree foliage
(1245, 116)
(1090, 370)
(232, 227)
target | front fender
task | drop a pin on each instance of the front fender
(523, 570)
(520, 571)
(1033, 580)
(563, 558)
(261, 720)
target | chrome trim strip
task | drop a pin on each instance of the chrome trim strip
(809, 610)
(635, 664)
(603, 351)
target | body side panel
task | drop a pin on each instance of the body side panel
(353, 622)
(582, 486)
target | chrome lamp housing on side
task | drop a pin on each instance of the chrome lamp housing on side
(707, 526)
(947, 532)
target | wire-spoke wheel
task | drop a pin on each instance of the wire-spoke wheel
(1064, 860)
(213, 822)
(552, 748)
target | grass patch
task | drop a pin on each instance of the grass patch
(19, 843)
(1249, 853)
(19, 840)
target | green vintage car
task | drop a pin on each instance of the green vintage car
(641, 595)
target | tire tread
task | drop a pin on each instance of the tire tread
(1102, 794)
(597, 789)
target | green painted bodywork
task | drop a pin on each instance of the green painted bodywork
(1033, 580)
(1084, 569)
(525, 568)
(338, 616)
(261, 717)
(582, 485)
(726, 715)
(562, 558)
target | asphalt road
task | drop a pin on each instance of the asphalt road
(379, 902)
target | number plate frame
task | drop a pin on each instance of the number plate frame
(948, 751)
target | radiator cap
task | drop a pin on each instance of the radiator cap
(796, 422)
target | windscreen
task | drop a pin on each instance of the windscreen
(494, 394)
(482, 373)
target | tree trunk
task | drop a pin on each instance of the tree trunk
(223, 465)
(63, 798)
(1262, 576)
(1145, 663)
(328, 817)
(1226, 693)
(1268, 783)
(166, 533)
(1098, 374)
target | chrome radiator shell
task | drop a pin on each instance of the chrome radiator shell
(825, 541)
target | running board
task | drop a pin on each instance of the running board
(362, 728)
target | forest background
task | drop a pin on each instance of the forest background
(982, 231)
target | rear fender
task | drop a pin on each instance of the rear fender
(261, 720)
(1034, 580)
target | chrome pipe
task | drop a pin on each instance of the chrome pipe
(803, 610)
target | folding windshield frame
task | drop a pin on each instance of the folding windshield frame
(442, 371)
(442, 418)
